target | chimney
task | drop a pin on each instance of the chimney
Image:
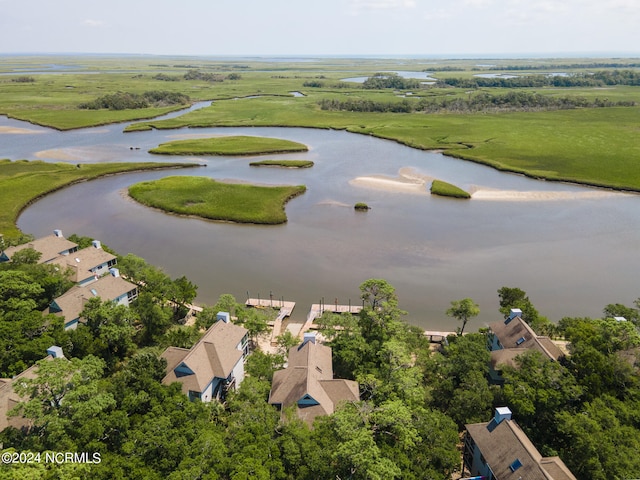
(224, 316)
(55, 352)
(513, 313)
(502, 413)
(114, 272)
(58, 233)
(96, 244)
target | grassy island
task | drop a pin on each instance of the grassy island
(206, 198)
(22, 182)
(232, 145)
(444, 189)
(283, 163)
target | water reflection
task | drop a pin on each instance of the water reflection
(573, 253)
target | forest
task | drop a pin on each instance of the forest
(106, 397)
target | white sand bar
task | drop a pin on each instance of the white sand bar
(537, 196)
(407, 181)
(18, 131)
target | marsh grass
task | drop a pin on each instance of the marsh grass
(22, 182)
(283, 163)
(444, 189)
(231, 145)
(597, 146)
(209, 199)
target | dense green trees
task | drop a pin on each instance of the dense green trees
(107, 396)
(125, 100)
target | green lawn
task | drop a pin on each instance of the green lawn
(23, 182)
(207, 198)
(231, 145)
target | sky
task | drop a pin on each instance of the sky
(322, 27)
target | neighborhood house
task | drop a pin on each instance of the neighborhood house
(212, 366)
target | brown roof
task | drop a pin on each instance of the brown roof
(214, 356)
(9, 399)
(515, 336)
(506, 443)
(310, 373)
(73, 301)
(50, 247)
(81, 262)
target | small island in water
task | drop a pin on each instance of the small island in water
(207, 198)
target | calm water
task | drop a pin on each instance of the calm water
(572, 249)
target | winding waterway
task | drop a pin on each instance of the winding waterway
(572, 249)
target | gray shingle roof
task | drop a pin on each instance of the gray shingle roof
(310, 373)
(505, 444)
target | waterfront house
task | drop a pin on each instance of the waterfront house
(9, 398)
(49, 247)
(86, 265)
(308, 384)
(500, 450)
(212, 366)
(512, 337)
(110, 287)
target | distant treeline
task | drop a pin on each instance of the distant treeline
(512, 101)
(566, 66)
(390, 80)
(198, 75)
(127, 101)
(596, 79)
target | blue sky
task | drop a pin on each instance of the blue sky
(321, 27)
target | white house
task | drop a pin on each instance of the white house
(86, 265)
(212, 366)
(110, 287)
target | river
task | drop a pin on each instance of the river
(571, 248)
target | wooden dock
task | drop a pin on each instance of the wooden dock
(436, 336)
(318, 309)
(284, 310)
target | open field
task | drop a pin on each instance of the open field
(596, 146)
(232, 145)
(23, 182)
(207, 198)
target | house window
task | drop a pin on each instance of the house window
(520, 341)
(515, 465)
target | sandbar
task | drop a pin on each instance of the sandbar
(18, 131)
(407, 181)
(488, 194)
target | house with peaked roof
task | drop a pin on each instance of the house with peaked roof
(9, 398)
(512, 337)
(49, 247)
(86, 265)
(308, 384)
(212, 366)
(109, 288)
(500, 450)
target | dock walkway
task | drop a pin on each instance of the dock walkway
(317, 310)
(285, 309)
